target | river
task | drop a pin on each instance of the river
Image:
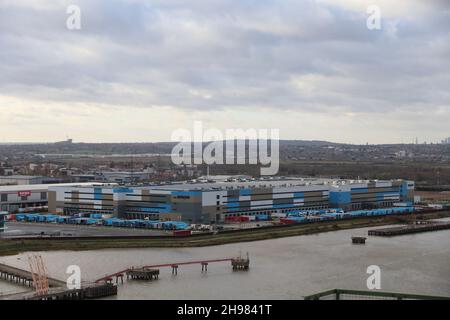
(286, 268)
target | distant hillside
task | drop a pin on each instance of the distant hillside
(123, 148)
(289, 149)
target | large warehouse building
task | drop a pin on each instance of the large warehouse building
(26, 180)
(16, 197)
(212, 202)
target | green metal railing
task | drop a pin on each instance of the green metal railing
(344, 294)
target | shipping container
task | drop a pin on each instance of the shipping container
(63, 219)
(30, 217)
(182, 233)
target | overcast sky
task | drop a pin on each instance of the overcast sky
(138, 70)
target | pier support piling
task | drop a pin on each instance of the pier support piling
(174, 269)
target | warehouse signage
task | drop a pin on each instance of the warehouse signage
(24, 193)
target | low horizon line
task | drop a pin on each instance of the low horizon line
(159, 142)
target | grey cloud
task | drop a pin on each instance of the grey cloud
(226, 54)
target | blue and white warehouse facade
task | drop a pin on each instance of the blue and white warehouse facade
(214, 202)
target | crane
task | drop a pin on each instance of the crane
(39, 274)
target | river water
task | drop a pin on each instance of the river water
(286, 268)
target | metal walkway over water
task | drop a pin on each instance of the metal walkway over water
(237, 264)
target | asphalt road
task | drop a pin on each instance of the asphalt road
(14, 229)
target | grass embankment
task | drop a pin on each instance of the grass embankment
(12, 247)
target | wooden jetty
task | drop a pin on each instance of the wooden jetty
(24, 277)
(359, 240)
(90, 291)
(146, 274)
(409, 229)
(57, 288)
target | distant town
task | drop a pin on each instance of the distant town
(66, 161)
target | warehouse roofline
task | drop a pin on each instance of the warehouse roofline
(34, 187)
(230, 185)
